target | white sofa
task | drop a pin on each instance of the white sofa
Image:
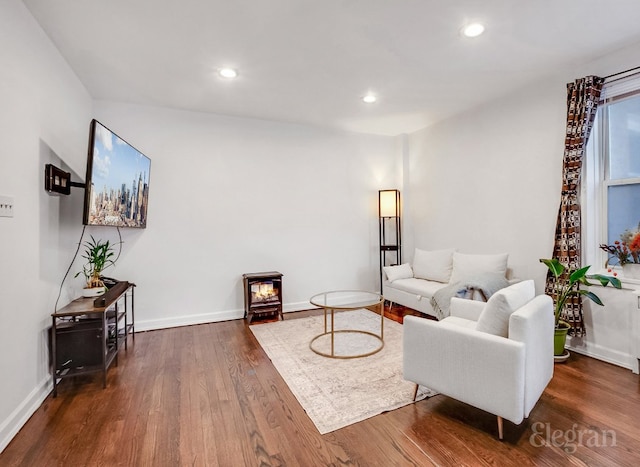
(496, 356)
(413, 285)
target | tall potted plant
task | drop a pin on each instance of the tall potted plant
(99, 256)
(567, 284)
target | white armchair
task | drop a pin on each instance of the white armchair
(496, 356)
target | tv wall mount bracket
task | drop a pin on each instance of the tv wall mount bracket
(58, 181)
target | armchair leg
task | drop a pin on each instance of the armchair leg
(500, 431)
(415, 392)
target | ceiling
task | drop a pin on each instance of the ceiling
(311, 61)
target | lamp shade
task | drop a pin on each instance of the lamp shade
(389, 203)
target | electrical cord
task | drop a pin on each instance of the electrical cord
(55, 307)
(119, 245)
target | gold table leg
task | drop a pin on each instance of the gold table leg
(332, 333)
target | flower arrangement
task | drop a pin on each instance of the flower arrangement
(627, 249)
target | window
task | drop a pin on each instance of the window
(611, 186)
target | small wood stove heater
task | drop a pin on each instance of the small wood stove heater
(262, 294)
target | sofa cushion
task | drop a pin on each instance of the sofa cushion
(462, 322)
(418, 286)
(403, 271)
(434, 265)
(466, 266)
(494, 318)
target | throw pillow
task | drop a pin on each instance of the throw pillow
(394, 273)
(433, 265)
(494, 318)
(465, 266)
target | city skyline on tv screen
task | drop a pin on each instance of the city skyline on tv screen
(117, 181)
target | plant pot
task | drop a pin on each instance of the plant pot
(560, 339)
(93, 292)
(631, 270)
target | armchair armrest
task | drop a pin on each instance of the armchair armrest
(467, 309)
(533, 325)
(477, 368)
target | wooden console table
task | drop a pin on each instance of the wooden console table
(86, 338)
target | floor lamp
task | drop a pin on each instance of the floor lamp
(389, 219)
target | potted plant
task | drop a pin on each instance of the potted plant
(626, 252)
(567, 284)
(98, 254)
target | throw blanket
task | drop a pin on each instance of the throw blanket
(488, 284)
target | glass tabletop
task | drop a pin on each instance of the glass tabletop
(346, 299)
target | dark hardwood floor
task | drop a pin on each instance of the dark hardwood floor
(207, 395)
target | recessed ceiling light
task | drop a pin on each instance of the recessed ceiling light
(473, 30)
(370, 98)
(227, 72)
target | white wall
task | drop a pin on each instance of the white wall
(488, 181)
(230, 196)
(44, 118)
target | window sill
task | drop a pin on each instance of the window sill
(627, 283)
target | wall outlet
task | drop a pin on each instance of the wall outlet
(6, 206)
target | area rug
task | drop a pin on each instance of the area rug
(339, 392)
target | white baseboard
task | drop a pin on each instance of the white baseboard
(14, 422)
(605, 354)
(298, 306)
(203, 318)
(187, 320)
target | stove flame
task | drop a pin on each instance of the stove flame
(263, 292)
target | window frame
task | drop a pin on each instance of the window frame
(595, 177)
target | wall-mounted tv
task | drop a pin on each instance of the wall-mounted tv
(117, 183)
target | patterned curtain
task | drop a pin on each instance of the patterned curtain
(582, 102)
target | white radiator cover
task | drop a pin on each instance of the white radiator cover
(613, 330)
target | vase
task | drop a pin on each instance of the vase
(631, 270)
(560, 338)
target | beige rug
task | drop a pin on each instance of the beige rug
(339, 392)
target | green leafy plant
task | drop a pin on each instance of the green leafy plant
(567, 284)
(99, 256)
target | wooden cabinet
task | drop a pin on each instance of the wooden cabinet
(88, 333)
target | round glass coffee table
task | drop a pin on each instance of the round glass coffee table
(346, 300)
